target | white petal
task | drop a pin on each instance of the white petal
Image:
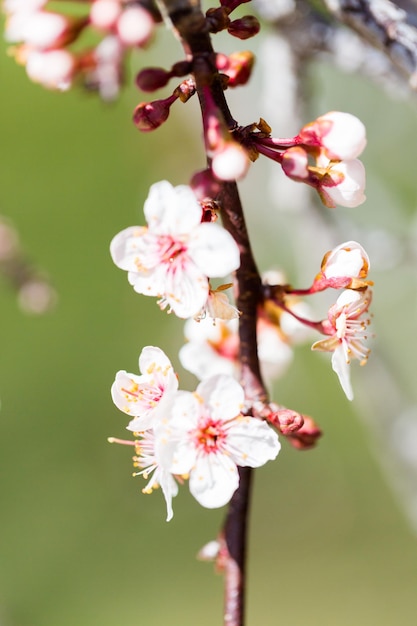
(125, 247)
(251, 442)
(342, 369)
(347, 259)
(150, 284)
(214, 480)
(214, 250)
(172, 210)
(202, 360)
(222, 395)
(350, 192)
(169, 489)
(154, 361)
(346, 138)
(186, 288)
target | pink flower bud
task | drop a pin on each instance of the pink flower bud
(150, 115)
(342, 136)
(237, 67)
(231, 162)
(204, 185)
(105, 13)
(152, 78)
(135, 26)
(344, 184)
(244, 28)
(295, 163)
(306, 437)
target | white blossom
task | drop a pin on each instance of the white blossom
(347, 328)
(210, 437)
(175, 254)
(147, 398)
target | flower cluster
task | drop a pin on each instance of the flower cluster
(46, 41)
(175, 255)
(202, 436)
(323, 155)
(344, 268)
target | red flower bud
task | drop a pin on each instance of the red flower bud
(150, 115)
(152, 78)
(244, 28)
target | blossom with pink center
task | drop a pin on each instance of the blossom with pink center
(210, 438)
(343, 183)
(347, 265)
(147, 398)
(348, 329)
(341, 136)
(173, 257)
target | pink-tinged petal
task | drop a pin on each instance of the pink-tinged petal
(251, 442)
(124, 392)
(342, 369)
(172, 210)
(214, 480)
(126, 246)
(345, 138)
(223, 396)
(186, 288)
(214, 250)
(154, 362)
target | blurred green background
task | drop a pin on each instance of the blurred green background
(80, 544)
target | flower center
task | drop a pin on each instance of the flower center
(146, 394)
(210, 436)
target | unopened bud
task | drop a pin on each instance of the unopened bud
(135, 26)
(295, 163)
(286, 420)
(237, 67)
(231, 162)
(306, 437)
(152, 78)
(244, 28)
(204, 185)
(105, 13)
(150, 115)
